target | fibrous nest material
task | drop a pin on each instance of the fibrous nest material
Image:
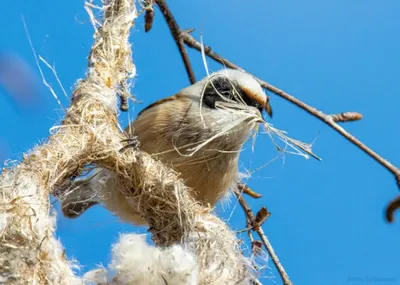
(90, 134)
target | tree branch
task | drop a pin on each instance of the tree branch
(346, 117)
(176, 32)
(252, 219)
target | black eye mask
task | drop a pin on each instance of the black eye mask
(229, 90)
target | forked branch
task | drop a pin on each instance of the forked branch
(255, 225)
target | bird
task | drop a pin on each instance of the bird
(198, 132)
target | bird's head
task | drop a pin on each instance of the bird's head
(233, 86)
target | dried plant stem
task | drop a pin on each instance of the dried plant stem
(247, 190)
(251, 218)
(175, 32)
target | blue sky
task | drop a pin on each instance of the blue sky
(327, 223)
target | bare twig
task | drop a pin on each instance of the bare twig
(176, 33)
(347, 117)
(247, 190)
(250, 216)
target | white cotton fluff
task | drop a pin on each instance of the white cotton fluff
(136, 262)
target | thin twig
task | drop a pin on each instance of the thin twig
(247, 190)
(176, 33)
(263, 237)
(347, 117)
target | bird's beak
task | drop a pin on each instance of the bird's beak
(268, 109)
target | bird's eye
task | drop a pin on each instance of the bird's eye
(220, 86)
